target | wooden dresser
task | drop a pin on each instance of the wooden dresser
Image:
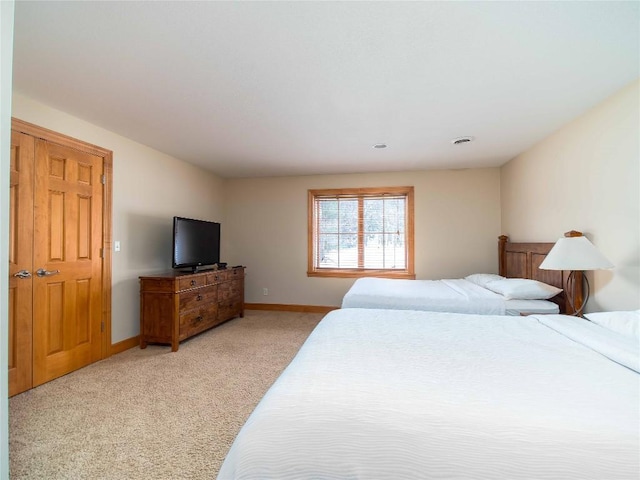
(177, 305)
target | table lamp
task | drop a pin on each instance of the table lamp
(575, 253)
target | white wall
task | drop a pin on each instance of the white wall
(585, 177)
(6, 56)
(149, 188)
(457, 224)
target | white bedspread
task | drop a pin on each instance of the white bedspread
(454, 295)
(384, 394)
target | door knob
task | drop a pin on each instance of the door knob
(41, 272)
(23, 274)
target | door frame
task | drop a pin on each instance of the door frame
(107, 199)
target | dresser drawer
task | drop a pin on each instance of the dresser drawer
(195, 281)
(229, 309)
(198, 320)
(224, 290)
(236, 274)
(229, 290)
(198, 297)
(225, 275)
(216, 277)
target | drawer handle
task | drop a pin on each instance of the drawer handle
(199, 318)
(198, 298)
(193, 282)
(216, 277)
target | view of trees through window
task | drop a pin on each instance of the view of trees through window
(361, 232)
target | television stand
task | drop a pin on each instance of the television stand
(178, 305)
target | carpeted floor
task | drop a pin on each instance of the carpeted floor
(153, 414)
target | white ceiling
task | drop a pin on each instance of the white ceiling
(293, 88)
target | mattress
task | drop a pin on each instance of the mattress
(449, 295)
(378, 394)
(517, 307)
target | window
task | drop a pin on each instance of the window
(361, 232)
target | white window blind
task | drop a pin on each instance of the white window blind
(361, 230)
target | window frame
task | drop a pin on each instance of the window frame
(408, 272)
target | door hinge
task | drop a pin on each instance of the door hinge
(103, 179)
(102, 253)
(101, 327)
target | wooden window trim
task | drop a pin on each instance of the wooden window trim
(407, 273)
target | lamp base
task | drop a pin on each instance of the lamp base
(571, 281)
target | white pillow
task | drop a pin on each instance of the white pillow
(523, 289)
(626, 323)
(483, 278)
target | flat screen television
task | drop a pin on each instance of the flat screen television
(196, 243)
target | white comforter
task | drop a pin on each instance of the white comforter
(454, 295)
(383, 394)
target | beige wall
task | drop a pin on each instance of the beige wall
(585, 177)
(457, 223)
(149, 188)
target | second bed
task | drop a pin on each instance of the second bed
(525, 288)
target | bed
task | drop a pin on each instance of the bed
(378, 394)
(516, 261)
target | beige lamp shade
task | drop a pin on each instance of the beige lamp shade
(575, 253)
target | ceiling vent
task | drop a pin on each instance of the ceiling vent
(459, 140)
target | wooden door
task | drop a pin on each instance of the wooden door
(67, 263)
(20, 262)
(60, 224)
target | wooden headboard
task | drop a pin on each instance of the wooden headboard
(521, 260)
